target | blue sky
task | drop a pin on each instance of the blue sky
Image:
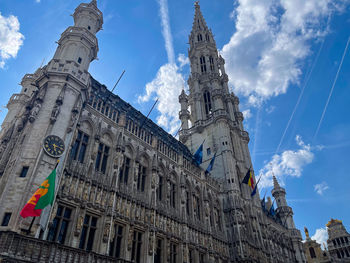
(282, 58)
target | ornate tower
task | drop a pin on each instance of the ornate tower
(286, 214)
(214, 113)
(49, 104)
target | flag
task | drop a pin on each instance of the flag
(255, 188)
(42, 197)
(248, 179)
(198, 156)
(272, 210)
(211, 164)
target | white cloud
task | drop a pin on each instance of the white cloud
(247, 114)
(183, 60)
(288, 163)
(270, 109)
(37, 1)
(272, 38)
(321, 237)
(166, 86)
(10, 38)
(320, 188)
(168, 83)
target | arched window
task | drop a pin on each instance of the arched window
(203, 65)
(207, 37)
(211, 62)
(207, 102)
(199, 37)
(312, 252)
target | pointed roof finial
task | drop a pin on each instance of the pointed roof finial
(196, 3)
(275, 183)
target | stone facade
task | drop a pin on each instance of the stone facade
(338, 241)
(126, 188)
(313, 251)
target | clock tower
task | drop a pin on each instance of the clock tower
(41, 118)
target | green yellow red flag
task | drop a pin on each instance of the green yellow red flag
(43, 196)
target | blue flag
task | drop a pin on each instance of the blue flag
(255, 188)
(272, 210)
(198, 156)
(211, 164)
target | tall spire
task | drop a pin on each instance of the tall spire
(200, 32)
(199, 22)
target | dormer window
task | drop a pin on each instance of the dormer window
(79, 60)
(207, 103)
(203, 65)
(199, 37)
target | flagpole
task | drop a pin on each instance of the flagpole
(53, 203)
(30, 227)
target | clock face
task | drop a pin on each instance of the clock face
(54, 146)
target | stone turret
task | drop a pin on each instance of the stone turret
(50, 103)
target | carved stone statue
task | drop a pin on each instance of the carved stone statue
(35, 111)
(106, 231)
(72, 121)
(80, 223)
(55, 112)
(130, 239)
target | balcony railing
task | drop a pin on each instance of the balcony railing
(18, 248)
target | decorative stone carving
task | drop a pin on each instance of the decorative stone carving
(130, 237)
(55, 112)
(79, 226)
(106, 231)
(35, 111)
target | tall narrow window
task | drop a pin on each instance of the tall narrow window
(79, 147)
(207, 102)
(6, 219)
(312, 252)
(136, 247)
(124, 171)
(196, 207)
(199, 37)
(172, 194)
(190, 256)
(116, 243)
(211, 62)
(203, 65)
(88, 233)
(141, 179)
(218, 219)
(102, 158)
(59, 228)
(160, 188)
(159, 251)
(207, 37)
(24, 171)
(201, 258)
(173, 252)
(188, 203)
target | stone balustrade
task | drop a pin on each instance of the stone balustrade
(19, 248)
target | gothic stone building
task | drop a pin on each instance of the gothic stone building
(127, 189)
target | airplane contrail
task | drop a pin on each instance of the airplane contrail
(331, 92)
